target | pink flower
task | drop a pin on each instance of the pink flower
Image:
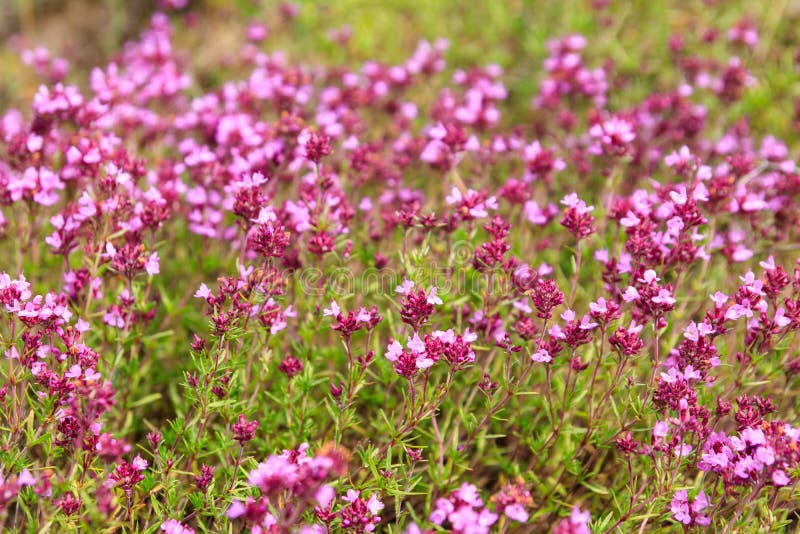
(516, 512)
(660, 429)
(405, 288)
(236, 509)
(363, 316)
(688, 511)
(139, 463)
(394, 351)
(203, 292)
(541, 356)
(173, 526)
(25, 478)
(432, 298)
(779, 478)
(374, 505)
(334, 311)
(152, 264)
(577, 523)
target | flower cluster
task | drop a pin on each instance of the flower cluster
(463, 510)
(690, 512)
(288, 483)
(580, 268)
(762, 454)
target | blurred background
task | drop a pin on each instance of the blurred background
(633, 35)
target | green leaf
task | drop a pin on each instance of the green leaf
(146, 400)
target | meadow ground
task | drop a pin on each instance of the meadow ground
(399, 266)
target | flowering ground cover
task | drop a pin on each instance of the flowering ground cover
(446, 290)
